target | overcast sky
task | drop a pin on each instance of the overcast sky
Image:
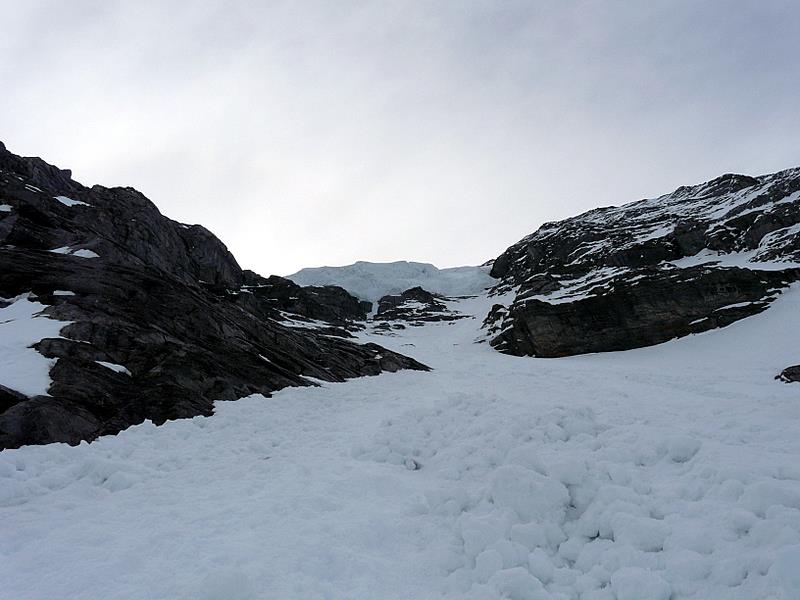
(310, 133)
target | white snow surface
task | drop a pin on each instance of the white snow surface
(114, 367)
(69, 201)
(6, 208)
(22, 368)
(84, 253)
(371, 281)
(81, 252)
(664, 473)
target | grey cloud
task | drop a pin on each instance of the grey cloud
(308, 133)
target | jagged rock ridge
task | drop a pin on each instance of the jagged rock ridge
(165, 305)
(623, 277)
(416, 306)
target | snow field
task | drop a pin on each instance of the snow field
(560, 505)
(665, 473)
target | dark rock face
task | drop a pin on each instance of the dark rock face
(637, 275)
(790, 374)
(275, 296)
(415, 305)
(120, 225)
(166, 301)
(625, 315)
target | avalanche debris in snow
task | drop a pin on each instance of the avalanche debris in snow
(663, 473)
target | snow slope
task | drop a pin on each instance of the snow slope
(664, 473)
(22, 324)
(371, 281)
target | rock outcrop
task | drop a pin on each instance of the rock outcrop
(415, 306)
(790, 374)
(282, 298)
(159, 319)
(618, 278)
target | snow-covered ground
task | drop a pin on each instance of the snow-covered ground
(371, 281)
(664, 473)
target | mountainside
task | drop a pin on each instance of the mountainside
(111, 314)
(666, 472)
(640, 274)
(372, 281)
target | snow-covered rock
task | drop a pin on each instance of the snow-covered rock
(623, 277)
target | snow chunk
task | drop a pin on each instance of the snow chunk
(640, 532)
(682, 449)
(763, 495)
(530, 495)
(540, 565)
(568, 471)
(635, 583)
(518, 584)
(63, 293)
(22, 368)
(487, 563)
(5, 208)
(787, 567)
(70, 202)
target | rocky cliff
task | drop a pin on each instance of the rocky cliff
(415, 305)
(624, 277)
(159, 320)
